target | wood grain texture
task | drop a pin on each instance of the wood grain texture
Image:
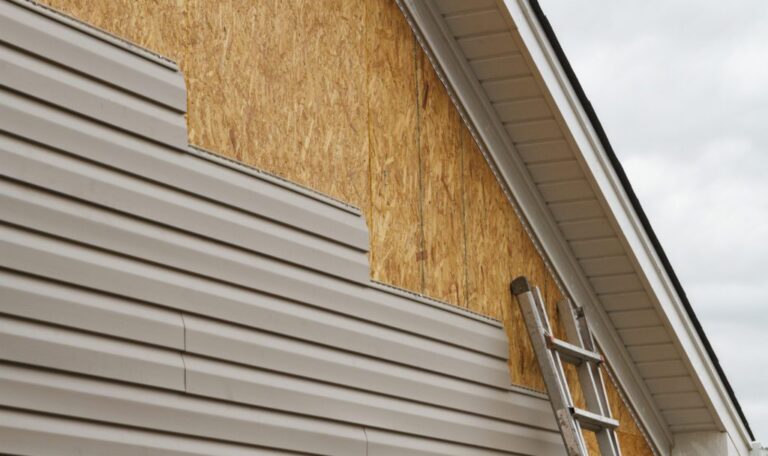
(338, 96)
(631, 439)
(394, 218)
(440, 143)
(282, 86)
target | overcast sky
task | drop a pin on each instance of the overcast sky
(681, 87)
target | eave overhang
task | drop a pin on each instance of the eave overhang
(517, 93)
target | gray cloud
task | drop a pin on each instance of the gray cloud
(682, 90)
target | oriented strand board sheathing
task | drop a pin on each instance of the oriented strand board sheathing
(494, 257)
(282, 86)
(394, 218)
(440, 141)
(631, 438)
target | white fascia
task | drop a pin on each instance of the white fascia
(615, 198)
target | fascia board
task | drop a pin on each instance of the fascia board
(520, 189)
(616, 199)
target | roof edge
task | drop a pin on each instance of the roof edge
(635, 202)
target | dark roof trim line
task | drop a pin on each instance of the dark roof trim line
(589, 110)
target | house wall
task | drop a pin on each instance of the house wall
(338, 96)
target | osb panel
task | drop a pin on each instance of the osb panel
(631, 438)
(282, 86)
(497, 252)
(440, 142)
(394, 218)
(340, 98)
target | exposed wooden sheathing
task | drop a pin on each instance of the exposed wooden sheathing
(260, 89)
(440, 142)
(394, 217)
(338, 96)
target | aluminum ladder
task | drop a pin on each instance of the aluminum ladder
(579, 349)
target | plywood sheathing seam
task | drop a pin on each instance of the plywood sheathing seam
(395, 215)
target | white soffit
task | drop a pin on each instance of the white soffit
(506, 79)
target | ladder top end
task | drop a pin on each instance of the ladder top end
(520, 285)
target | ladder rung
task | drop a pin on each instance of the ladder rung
(593, 421)
(570, 353)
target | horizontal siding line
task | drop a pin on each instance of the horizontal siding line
(350, 316)
(90, 77)
(77, 330)
(30, 62)
(334, 348)
(592, 239)
(196, 168)
(160, 225)
(85, 117)
(166, 286)
(172, 188)
(87, 375)
(137, 396)
(84, 288)
(470, 11)
(341, 260)
(244, 168)
(363, 390)
(253, 367)
(292, 411)
(99, 34)
(427, 300)
(87, 332)
(80, 52)
(58, 426)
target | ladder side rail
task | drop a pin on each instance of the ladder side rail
(609, 435)
(556, 356)
(577, 333)
(589, 343)
(550, 365)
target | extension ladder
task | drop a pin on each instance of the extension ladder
(579, 350)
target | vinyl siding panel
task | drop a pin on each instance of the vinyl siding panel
(157, 299)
